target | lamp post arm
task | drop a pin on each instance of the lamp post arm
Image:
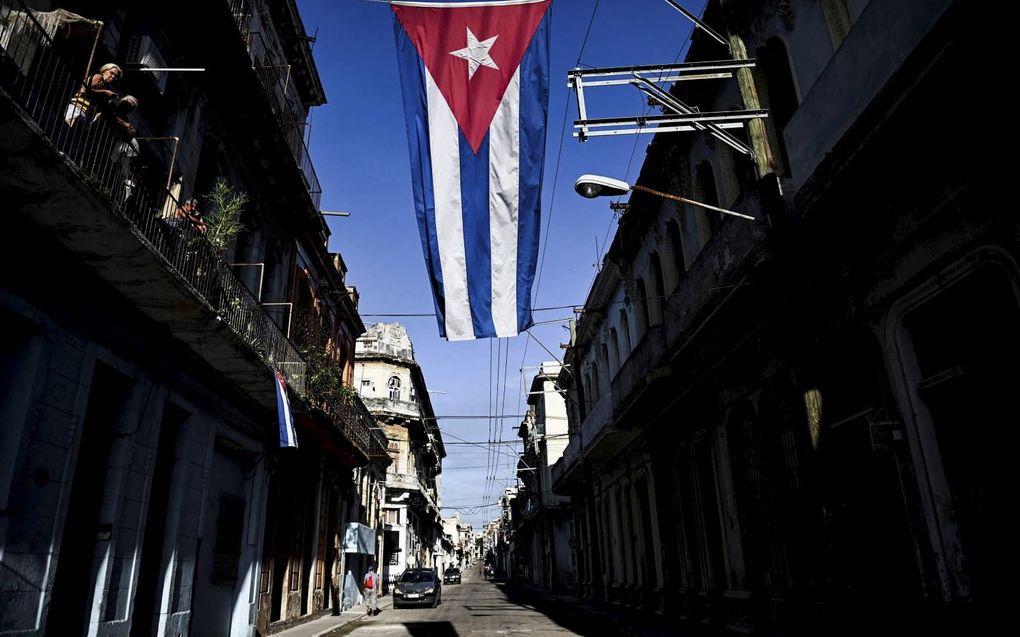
(693, 203)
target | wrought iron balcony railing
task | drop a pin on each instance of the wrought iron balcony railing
(325, 385)
(41, 83)
(351, 417)
(274, 75)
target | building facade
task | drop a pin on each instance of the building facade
(460, 539)
(141, 450)
(393, 388)
(543, 530)
(780, 426)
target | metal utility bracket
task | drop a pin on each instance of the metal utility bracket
(670, 102)
(648, 80)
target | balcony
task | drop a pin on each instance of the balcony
(70, 182)
(598, 439)
(400, 407)
(273, 82)
(723, 287)
(405, 481)
(378, 348)
(634, 388)
(77, 187)
(421, 495)
(247, 82)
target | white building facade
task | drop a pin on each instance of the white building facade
(393, 388)
(544, 527)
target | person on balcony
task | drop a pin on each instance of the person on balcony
(117, 111)
(126, 149)
(192, 214)
(95, 93)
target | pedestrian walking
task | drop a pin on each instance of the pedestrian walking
(371, 586)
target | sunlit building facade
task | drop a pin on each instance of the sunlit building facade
(392, 385)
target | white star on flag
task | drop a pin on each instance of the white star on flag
(476, 53)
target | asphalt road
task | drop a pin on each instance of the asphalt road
(474, 608)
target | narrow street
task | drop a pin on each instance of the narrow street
(484, 607)
(681, 317)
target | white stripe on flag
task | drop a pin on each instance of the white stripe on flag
(444, 147)
(283, 408)
(504, 205)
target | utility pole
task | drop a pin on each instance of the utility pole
(749, 96)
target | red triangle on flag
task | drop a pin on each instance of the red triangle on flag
(448, 37)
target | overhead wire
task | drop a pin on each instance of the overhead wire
(524, 385)
(477, 444)
(544, 347)
(556, 174)
(433, 314)
(648, 108)
(559, 153)
(488, 460)
(578, 306)
(506, 370)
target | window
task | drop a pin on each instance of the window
(642, 309)
(625, 345)
(838, 20)
(394, 385)
(658, 298)
(676, 251)
(604, 359)
(705, 192)
(366, 387)
(614, 350)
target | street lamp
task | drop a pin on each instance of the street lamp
(591, 186)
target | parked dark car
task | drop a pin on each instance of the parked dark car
(452, 575)
(418, 587)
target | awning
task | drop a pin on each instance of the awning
(359, 538)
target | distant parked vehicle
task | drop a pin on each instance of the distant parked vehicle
(452, 575)
(418, 587)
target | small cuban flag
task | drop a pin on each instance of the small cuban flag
(288, 437)
(475, 79)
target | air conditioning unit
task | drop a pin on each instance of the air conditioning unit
(143, 52)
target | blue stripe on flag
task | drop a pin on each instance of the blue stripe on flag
(412, 75)
(474, 190)
(534, 104)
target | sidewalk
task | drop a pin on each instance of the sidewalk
(329, 623)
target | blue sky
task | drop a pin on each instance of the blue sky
(359, 147)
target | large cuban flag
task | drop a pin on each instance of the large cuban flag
(475, 79)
